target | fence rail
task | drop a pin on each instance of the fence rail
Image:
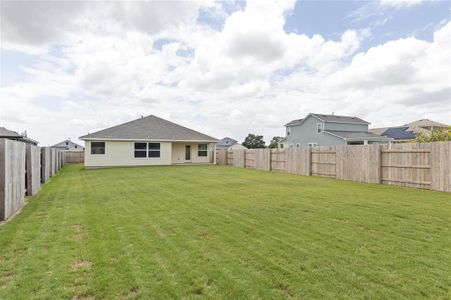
(423, 165)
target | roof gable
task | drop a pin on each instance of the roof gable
(149, 128)
(227, 142)
(69, 142)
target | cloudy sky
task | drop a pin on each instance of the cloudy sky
(225, 68)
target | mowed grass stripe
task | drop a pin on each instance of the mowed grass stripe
(221, 232)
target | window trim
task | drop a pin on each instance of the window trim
(199, 151)
(97, 142)
(312, 145)
(319, 127)
(288, 131)
(146, 150)
(154, 150)
(298, 145)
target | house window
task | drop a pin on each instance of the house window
(281, 146)
(143, 150)
(202, 150)
(154, 149)
(75, 146)
(290, 146)
(140, 149)
(298, 145)
(67, 143)
(312, 145)
(97, 147)
(288, 131)
(319, 127)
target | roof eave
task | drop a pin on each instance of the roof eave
(150, 140)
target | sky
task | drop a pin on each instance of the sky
(225, 68)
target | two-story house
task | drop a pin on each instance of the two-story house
(325, 130)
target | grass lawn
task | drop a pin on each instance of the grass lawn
(224, 232)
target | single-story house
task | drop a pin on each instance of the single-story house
(12, 135)
(325, 130)
(147, 141)
(229, 144)
(68, 145)
(409, 131)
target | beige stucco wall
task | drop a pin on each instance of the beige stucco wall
(121, 153)
(178, 153)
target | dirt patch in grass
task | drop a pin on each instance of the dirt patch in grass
(131, 293)
(81, 264)
(78, 232)
(83, 296)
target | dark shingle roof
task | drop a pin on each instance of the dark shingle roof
(340, 119)
(399, 133)
(294, 122)
(8, 133)
(149, 128)
(360, 135)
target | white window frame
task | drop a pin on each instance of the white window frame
(319, 127)
(147, 150)
(290, 146)
(288, 131)
(104, 148)
(202, 150)
(312, 145)
(298, 145)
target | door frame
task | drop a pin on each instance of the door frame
(190, 154)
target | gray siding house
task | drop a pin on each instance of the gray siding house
(68, 145)
(325, 130)
(229, 143)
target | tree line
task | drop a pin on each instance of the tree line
(255, 141)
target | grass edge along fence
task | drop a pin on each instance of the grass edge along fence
(420, 165)
(23, 168)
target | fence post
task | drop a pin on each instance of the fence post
(270, 159)
(310, 162)
(379, 152)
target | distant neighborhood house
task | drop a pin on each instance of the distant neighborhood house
(147, 141)
(12, 135)
(68, 145)
(324, 130)
(409, 131)
(229, 144)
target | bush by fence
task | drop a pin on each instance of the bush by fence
(23, 168)
(426, 165)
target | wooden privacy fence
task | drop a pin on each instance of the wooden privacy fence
(23, 168)
(73, 156)
(423, 165)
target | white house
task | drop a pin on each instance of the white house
(147, 141)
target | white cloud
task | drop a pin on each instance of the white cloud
(248, 76)
(400, 3)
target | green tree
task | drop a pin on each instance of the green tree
(437, 135)
(253, 141)
(275, 141)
